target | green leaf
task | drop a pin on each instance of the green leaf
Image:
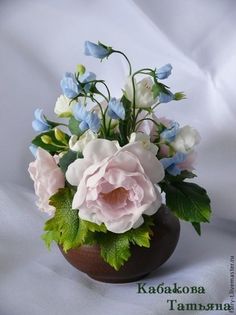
(157, 88)
(67, 159)
(115, 248)
(66, 228)
(188, 201)
(54, 147)
(74, 127)
(182, 176)
(197, 227)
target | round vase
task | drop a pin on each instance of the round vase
(142, 261)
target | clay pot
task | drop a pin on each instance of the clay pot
(142, 261)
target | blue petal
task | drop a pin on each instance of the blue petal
(87, 76)
(164, 72)
(173, 170)
(97, 51)
(33, 149)
(169, 164)
(69, 86)
(165, 98)
(93, 121)
(39, 126)
(116, 109)
(79, 112)
(170, 133)
(83, 126)
(112, 114)
(38, 114)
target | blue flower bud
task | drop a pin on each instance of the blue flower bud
(96, 50)
(165, 97)
(116, 109)
(163, 72)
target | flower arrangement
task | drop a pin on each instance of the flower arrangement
(102, 174)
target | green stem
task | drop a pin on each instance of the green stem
(127, 59)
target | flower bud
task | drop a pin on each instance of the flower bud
(59, 135)
(46, 139)
(80, 69)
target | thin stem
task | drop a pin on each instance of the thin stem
(158, 103)
(108, 91)
(138, 122)
(59, 146)
(127, 59)
(103, 116)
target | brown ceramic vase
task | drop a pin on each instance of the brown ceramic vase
(142, 261)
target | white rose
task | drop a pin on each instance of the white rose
(78, 145)
(144, 140)
(185, 140)
(143, 92)
(63, 107)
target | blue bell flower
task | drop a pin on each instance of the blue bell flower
(95, 50)
(166, 97)
(116, 109)
(88, 120)
(69, 85)
(169, 134)
(86, 77)
(40, 124)
(170, 164)
(163, 72)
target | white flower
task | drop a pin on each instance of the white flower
(78, 145)
(63, 107)
(185, 140)
(144, 140)
(143, 92)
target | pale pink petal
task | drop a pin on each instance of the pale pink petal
(98, 149)
(151, 165)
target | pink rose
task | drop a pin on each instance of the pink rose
(115, 186)
(47, 177)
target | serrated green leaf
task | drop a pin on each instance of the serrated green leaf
(115, 248)
(66, 228)
(188, 201)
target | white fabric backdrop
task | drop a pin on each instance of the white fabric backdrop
(39, 41)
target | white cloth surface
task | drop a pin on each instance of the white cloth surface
(39, 41)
